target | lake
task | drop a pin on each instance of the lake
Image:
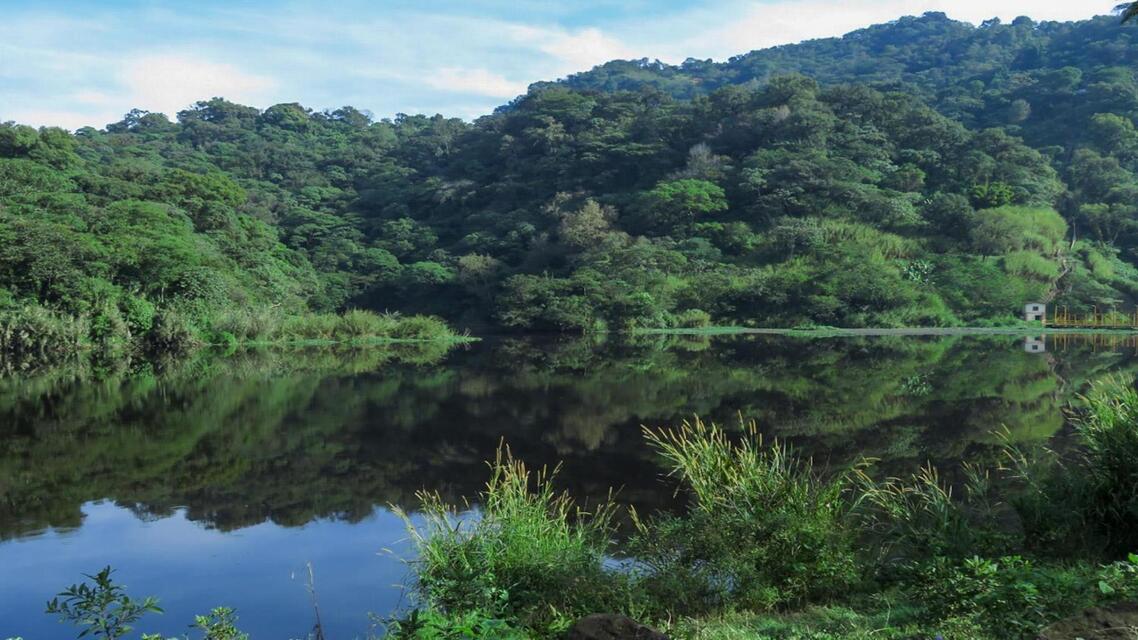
(220, 480)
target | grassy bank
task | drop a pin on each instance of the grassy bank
(33, 336)
(825, 332)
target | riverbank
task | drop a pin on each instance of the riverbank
(34, 336)
(826, 332)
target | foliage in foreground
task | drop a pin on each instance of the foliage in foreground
(764, 529)
(772, 547)
(529, 554)
(102, 609)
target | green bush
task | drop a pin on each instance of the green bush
(139, 313)
(310, 326)
(1011, 596)
(420, 328)
(528, 554)
(692, 319)
(764, 528)
(1032, 265)
(428, 624)
(358, 323)
(1108, 429)
(173, 332)
(919, 516)
(1088, 502)
(248, 325)
(33, 332)
(109, 328)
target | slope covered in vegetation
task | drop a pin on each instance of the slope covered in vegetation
(922, 172)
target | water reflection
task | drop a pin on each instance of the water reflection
(270, 442)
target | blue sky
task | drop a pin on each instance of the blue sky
(77, 63)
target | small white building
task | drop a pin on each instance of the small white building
(1035, 312)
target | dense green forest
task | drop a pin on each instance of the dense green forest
(921, 172)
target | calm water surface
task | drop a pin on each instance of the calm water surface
(219, 480)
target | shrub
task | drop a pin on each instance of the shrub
(693, 319)
(358, 323)
(311, 326)
(919, 516)
(172, 332)
(764, 528)
(219, 624)
(529, 554)
(109, 328)
(1008, 597)
(428, 624)
(1088, 502)
(104, 610)
(1108, 429)
(139, 313)
(248, 324)
(102, 607)
(1032, 265)
(420, 328)
(34, 332)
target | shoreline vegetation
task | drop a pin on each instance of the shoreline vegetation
(769, 546)
(33, 336)
(821, 332)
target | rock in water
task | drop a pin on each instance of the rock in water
(1116, 622)
(610, 626)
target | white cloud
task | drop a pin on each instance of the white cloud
(97, 98)
(574, 51)
(474, 81)
(68, 119)
(170, 83)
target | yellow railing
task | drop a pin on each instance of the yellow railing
(1094, 320)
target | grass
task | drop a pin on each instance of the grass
(1089, 497)
(355, 326)
(764, 528)
(34, 336)
(529, 555)
(1022, 329)
(772, 547)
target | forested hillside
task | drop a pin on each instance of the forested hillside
(923, 172)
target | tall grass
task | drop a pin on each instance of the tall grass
(33, 333)
(529, 554)
(361, 325)
(1085, 501)
(764, 529)
(1108, 431)
(919, 516)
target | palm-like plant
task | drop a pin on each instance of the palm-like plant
(1127, 10)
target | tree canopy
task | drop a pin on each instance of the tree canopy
(921, 172)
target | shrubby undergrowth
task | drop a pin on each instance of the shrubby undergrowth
(771, 546)
(33, 335)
